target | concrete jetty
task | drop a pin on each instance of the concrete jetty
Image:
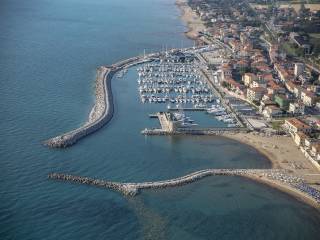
(193, 131)
(132, 189)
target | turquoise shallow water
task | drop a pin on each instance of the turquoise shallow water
(49, 51)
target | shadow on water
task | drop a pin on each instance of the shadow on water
(154, 225)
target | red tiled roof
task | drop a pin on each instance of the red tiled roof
(258, 89)
(297, 123)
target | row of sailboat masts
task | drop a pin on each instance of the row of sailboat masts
(176, 89)
(169, 67)
(177, 99)
(166, 50)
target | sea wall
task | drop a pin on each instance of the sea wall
(100, 115)
(134, 188)
(279, 178)
(103, 109)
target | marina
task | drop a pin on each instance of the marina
(171, 78)
(176, 81)
(173, 82)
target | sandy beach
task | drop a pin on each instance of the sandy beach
(283, 154)
(194, 24)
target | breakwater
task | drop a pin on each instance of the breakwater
(103, 109)
(131, 189)
(100, 114)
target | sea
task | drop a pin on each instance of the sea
(49, 52)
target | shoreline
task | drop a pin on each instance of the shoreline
(284, 156)
(193, 23)
(286, 189)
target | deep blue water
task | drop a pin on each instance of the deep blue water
(49, 51)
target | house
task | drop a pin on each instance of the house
(226, 71)
(299, 138)
(266, 77)
(264, 68)
(255, 94)
(245, 51)
(293, 125)
(271, 111)
(282, 72)
(290, 86)
(298, 69)
(248, 78)
(297, 91)
(265, 101)
(258, 83)
(304, 78)
(309, 142)
(235, 45)
(234, 86)
(315, 150)
(296, 108)
(242, 64)
(273, 53)
(273, 88)
(301, 41)
(282, 100)
(308, 98)
(314, 88)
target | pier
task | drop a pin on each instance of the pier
(193, 131)
(276, 176)
(188, 109)
(170, 126)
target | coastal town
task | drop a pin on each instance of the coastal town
(270, 61)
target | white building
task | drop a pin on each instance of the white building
(293, 125)
(296, 108)
(271, 111)
(298, 69)
(255, 94)
(308, 98)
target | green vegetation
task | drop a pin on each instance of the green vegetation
(277, 124)
(224, 84)
(292, 50)
(314, 35)
(315, 42)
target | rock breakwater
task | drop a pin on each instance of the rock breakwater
(103, 109)
(132, 189)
